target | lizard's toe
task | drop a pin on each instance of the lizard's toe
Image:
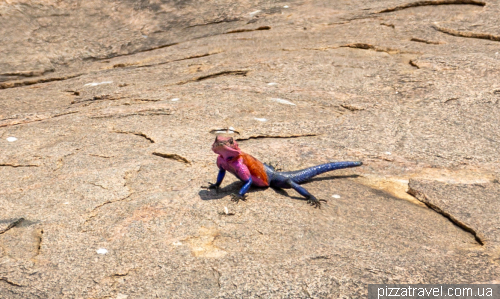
(316, 203)
(236, 197)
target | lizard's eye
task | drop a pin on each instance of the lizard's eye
(231, 140)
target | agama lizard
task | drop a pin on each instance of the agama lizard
(253, 172)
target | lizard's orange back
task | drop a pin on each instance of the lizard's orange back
(256, 169)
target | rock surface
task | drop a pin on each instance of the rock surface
(114, 106)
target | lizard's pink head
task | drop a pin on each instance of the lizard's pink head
(226, 147)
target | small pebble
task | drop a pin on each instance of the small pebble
(254, 12)
(177, 243)
(272, 83)
(175, 99)
(11, 139)
(336, 196)
(102, 251)
(66, 203)
(283, 101)
(226, 210)
(286, 6)
(260, 119)
(98, 83)
(388, 153)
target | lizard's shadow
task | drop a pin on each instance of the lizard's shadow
(234, 187)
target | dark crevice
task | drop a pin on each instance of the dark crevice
(6, 85)
(28, 73)
(123, 65)
(25, 121)
(105, 203)
(364, 46)
(276, 136)
(214, 22)
(215, 75)
(248, 30)
(468, 34)
(419, 40)
(136, 134)
(17, 165)
(10, 282)
(103, 97)
(174, 157)
(423, 198)
(39, 240)
(430, 3)
(413, 64)
(93, 58)
(12, 225)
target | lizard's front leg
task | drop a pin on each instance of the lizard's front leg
(242, 194)
(220, 177)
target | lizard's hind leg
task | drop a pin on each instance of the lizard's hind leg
(284, 182)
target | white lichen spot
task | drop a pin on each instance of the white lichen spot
(98, 83)
(286, 6)
(177, 243)
(388, 153)
(102, 251)
(254, 12)
(272, 83)
(260, 119)
(11, 139)
(121, 296)
(175, 99)
(336, 196)
(66, 203)
(283, 101)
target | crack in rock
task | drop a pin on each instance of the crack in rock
(468, 34)
(174, 157)
(12, 225)
(423, 198)
(365, 46)
(138, 65)
(93, 213)
(432, 3)
(4, 279)
(6, 85)
(17, 120)
(420, 40)
(32, 73)
(39, 241)
(215, 22)
(18, 165)
(214, 75)
(277, 136)
(248, 30)
(136, 134)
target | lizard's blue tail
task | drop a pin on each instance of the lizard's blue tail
(300, 176)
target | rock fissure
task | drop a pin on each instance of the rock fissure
(432, 3)
(423, 198)
(174, 157)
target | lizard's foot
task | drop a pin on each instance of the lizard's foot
(236, 197)
(212, 186)
(316, 203)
